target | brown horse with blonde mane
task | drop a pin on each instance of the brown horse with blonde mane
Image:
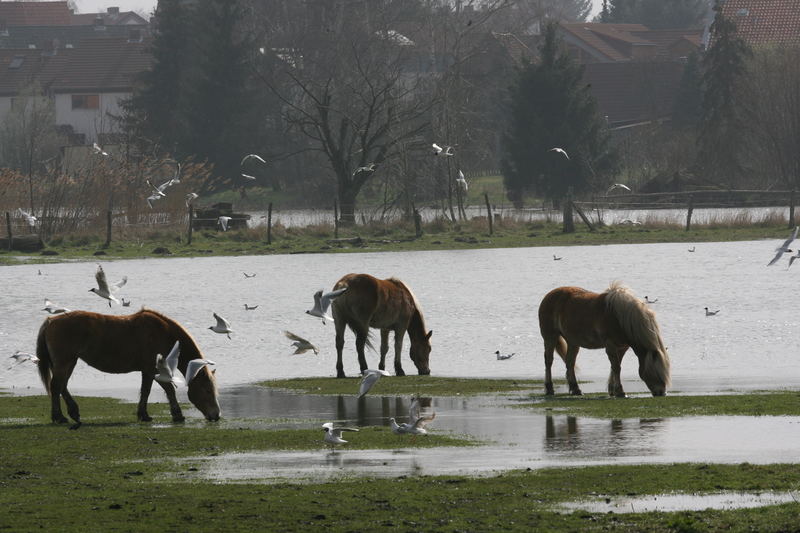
(571, 318)
(119, 344)
(386, 304)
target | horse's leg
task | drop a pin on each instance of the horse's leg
(361, 341)
(174, 406)
(72, 405)
(340, 326)
(144, 393)
(398, 351)
(58, 386)
(569, 359)
(384, 348)
(614, 380)
(549, 347)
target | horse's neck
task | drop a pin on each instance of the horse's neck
(416, 327)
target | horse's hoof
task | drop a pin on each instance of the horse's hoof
(340, 375)
(178, 419)
(76, 425)
(399, 372)
(60, 420)
(145, 418)
(576, 392)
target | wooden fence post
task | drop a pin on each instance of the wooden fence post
(335, 219)
(791, 209)
(569, 223)
(689, 212)
(191, 224)
(109, 219)
(269, 223)
(583, 216)
(489, 213)
(8, 226)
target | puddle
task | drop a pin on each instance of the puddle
(681, 502)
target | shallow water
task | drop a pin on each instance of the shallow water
(682, 502)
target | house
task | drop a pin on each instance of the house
(761, 22)
(86, 82)
(34, 14)
(112, 17)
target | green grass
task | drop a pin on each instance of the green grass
(603, 406)
(408, 385)
(116, 475)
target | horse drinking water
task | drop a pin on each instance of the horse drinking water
(386, 304)
(119, 344)
(571, 318)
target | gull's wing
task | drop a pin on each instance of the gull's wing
(172, 357)
(784, 247)
(367, 382)
(294, 337)
(777, 256)
(413, 410)
(252, 156)
(337, 432)
(326, 298)
(221, 322)
(791, 260)
(100, 276)
(194, 367)
(792, 237)
(118, 285)
(421, 421)
(318, 301)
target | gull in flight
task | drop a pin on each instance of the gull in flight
(103, 289)
(300, 343)
(367, 168)
(20, 357)
(223, 221)
(618, 186)
(53, 308)
(250, 307)
(784, 248)
(194, 367)
(248, 177)
(152, 198)
(371, 376)
(333, 436)
(462, 181)
(97, 150)
(416, 423)
(791, 259)
(167, 367)
(438, 150)
(711, 313)
(30, 219)
(252, 156)
(559, 151)
(649, 301)
(503, 357)
(190, 198)
(322, 303)
(222, 326)
(249, 275)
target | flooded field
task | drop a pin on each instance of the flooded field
(476, 302)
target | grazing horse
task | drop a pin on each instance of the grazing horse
(386, 304)
(119, 344)
(571, 318)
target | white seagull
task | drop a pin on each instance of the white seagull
(462, 181)
(190, 198)
(97, 150)
(248, 177)
(53, 308)
(333, 435)
(20, 357)
(250, 307)
(223, 221)
(367, 168)
(416, 423)
(194, 367)
(249, 275)
(556, 258)
(125, 303)
(322, 302)
(438, 150)
(371, 376)
(300, 343)
(618, 186)
(222, 326)
(103, 289)
(692, 249)
(167, 367)
(152, 198)
(711, 313)
(503, 357)
(791, 259)
(784, 248)
(649, 301)
(30, 219)
(559, 151)
(252, 156)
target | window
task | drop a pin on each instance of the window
(16, 62)
(85, 101)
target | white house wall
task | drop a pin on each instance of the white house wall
(89, 122)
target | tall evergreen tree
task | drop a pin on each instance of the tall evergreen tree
(552, 107)
(656, 14)
(689, 99)
(721, 137)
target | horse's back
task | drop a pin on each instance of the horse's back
(380, 303)
(572, 312)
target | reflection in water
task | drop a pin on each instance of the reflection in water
(617, 437)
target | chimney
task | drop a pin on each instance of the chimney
(113, 11)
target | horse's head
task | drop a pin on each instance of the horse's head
(420, 353)
(203, 394)
(654, 370)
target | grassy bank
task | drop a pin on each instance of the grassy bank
(408, 385)
(115, 475)
(375, 237)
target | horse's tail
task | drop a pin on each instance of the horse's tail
(561, 347)
(638, 322)
(45, 364)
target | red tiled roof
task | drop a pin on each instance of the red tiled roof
(102, 65)
(765, 21)
(35, 13)
(601, 37)
(109, 19)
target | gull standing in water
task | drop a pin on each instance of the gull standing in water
(322, 303)
(53, 308)
(711, 313)
(194, 366)
(556, 258)
(784, 248)
(502, 357)
(103, 289)
(371, 376)
(249, 275)
(649, 301)
(168, 367)
(222, 326)
(300, 343)
(416, 423)
(333, 436)
(250, 307)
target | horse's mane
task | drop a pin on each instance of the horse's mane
(183, 332)
(416, 302)
(639, 323)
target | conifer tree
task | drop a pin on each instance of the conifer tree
(656, 14)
